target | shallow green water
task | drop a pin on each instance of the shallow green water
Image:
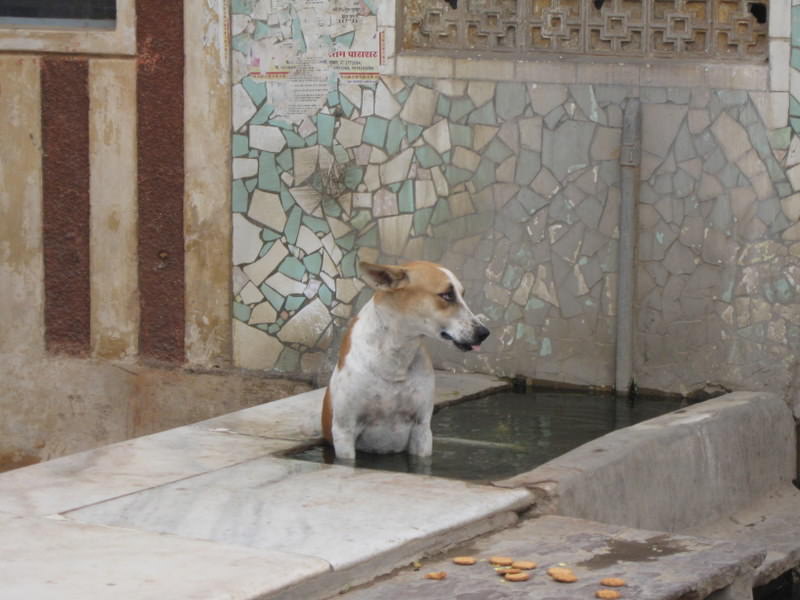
(508, 433)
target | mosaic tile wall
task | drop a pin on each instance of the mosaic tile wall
(515, 187)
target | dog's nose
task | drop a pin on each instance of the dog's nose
(481, 333)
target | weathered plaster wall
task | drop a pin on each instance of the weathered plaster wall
(507, 172)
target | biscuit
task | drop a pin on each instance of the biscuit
(437, 575)
(562, 574)
(465, 560)
(525, 565)
(507, 571)
(521, 576)
(612, 582)
(503, 561)
(608, 594)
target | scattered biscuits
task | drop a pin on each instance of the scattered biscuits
(465, 560)
(503, 561)
(525, 565)
(520, 576)
(437, 575)
(562, 574)
(612, 582)
(608, 594)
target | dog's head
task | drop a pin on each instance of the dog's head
(429, 299)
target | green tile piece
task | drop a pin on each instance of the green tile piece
(483, 115)
(375, 131)
(273, 297)
(273, 328)
(347, 106)
(241, 43)
(316, 224)
(268, 178)
(546, 348)
(511, 98)
(394, 136)
(421, 219)
(311, 140)
(348, 264)
(394, 187)
(340, 154)
(242, 7)
(268, 235)
(441, 212)
(264, 249)
(313, 262)
(333, 98)
(288, 361)
(292, 227)
(405, 199)
(795, 60)
(780, 138)
(291, 267)
(287, 200)
(325, 294)
(513, 313)
(250, 184)
(370, 4)
(325, 125)
(369, 239)
(294, 302)
(253, 153)
(427, 157)
(285, 160)
(240, 196)
(347, 241)
(257, 90)
(262, 30)
(413, 132)
(293, 140)
(795, 123)
(443, 105)
(262, 114)
(497, 151)
(241, 312)
(460, 108)
(331, 207)
(485, 175)
(511, 277)
(282, 123)
(794, 106)
(402, 95)
(454, 175)
(446, 156)
(352, 177)
(240, 145)
(360, 219)
(796, 25)
(460, 135)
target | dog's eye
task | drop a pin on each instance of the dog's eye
(448, 296)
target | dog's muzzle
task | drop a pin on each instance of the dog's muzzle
(479, 334)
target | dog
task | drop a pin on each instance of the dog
(380, 395)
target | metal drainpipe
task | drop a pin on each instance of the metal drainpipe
(629, 160)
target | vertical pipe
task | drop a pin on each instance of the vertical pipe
(629, 173)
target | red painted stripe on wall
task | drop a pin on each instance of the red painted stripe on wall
(159, 100)
(65, 203)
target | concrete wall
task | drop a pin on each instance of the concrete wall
(57, 397)
(507, 171)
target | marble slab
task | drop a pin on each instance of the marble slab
(343, 515)
(654, 565)
(95, 475)
(44, 559)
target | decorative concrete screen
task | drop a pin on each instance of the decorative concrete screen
(735, 29)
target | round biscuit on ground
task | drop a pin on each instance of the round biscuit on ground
(613, 581)
(507, 571)
(503, 561)
(525, 565)
(608, 594)
(436, 575)
(465, 560)
(521, 576)
(562, 574)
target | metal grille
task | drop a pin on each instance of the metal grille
(735, 29)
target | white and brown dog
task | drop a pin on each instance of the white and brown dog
(380, 396)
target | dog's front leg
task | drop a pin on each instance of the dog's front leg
(344, 442)
(420, 442)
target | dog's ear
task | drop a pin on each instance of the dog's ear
(383, 277)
